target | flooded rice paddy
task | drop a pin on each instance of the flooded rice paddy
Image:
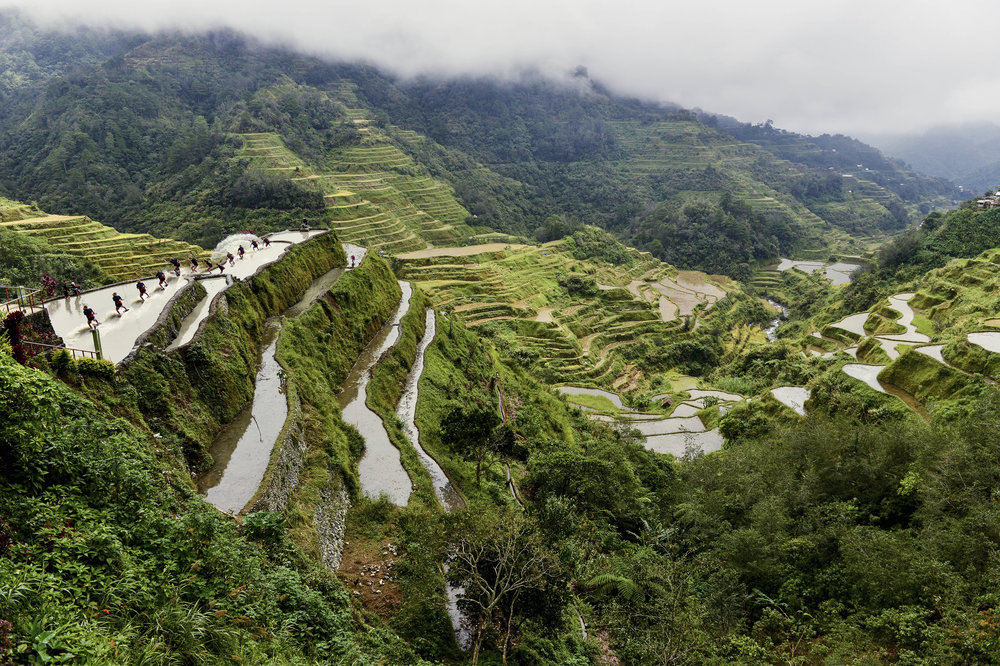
(838, 272)
(119, 332)
(682, 434)
(407, 412)
(380, 468)
(988, 340)
(794, 397)
(580, 390)
(242, 451)
(189, 327)
(866, 373)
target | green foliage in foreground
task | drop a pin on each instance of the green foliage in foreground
(107, 558)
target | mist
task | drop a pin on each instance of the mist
(851, 66)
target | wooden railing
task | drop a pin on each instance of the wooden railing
(39, 348)
(24, 299)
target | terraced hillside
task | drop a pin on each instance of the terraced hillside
(376, 194)
(935, 345)
(121, 256)
(696, 162)
(578, 321)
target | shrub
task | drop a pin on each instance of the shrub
(63, 362)
(101, 368)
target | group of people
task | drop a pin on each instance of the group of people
(209, 266)
(161, 277)
(119, 303)
(70, 286)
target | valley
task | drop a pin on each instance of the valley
(496, 374)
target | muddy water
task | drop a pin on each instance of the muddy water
(380, 468)
(721, 395)
(840, 273)
(900, 303)
(988, 340)
(684, 443)
(407, 412)
(579, 390)
(854, 323)
(669, 426)
(189, 326)
(668, 309)
(686, 409)
(804, 266)
(243, 449)
(322, 284)
(699, 283)
(934, 351)
(118, 332)
(866, 373)
(792, 396)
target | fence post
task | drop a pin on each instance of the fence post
(97, 343)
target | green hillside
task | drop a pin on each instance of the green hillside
(119, 256)
(546, 406)
(195, 138)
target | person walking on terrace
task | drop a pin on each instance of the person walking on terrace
(231, 258)
(65, 289)
(194, 264)
(254, 245)
(88, 312)
(209, 266)
(241, 251)
(118, 303)
(75, 287)
(162, 278)
(141, 286)
(267, 241)
(176, 263)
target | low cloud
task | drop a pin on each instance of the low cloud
(847, 66)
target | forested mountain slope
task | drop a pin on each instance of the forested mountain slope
(144, 133)
(643, 464)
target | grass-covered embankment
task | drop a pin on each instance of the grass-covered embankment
(187, 395)
(107, 556)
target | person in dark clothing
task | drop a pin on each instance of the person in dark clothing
(65, 289)
(231, 258)
(222, 266)
(75, 287)
(241, 251)
(267, 241)
(208, 266)
(162, 278)
(352, 261)
(118, 303)
(194, 263)
(91, 317)
(254, 244)
(141, 286)
(176, 263)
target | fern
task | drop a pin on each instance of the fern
(608, 583)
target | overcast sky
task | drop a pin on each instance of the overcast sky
(853, 66)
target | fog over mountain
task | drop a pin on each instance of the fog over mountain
(849, 66)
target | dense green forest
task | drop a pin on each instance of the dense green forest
(859, 526)
(138, 132)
